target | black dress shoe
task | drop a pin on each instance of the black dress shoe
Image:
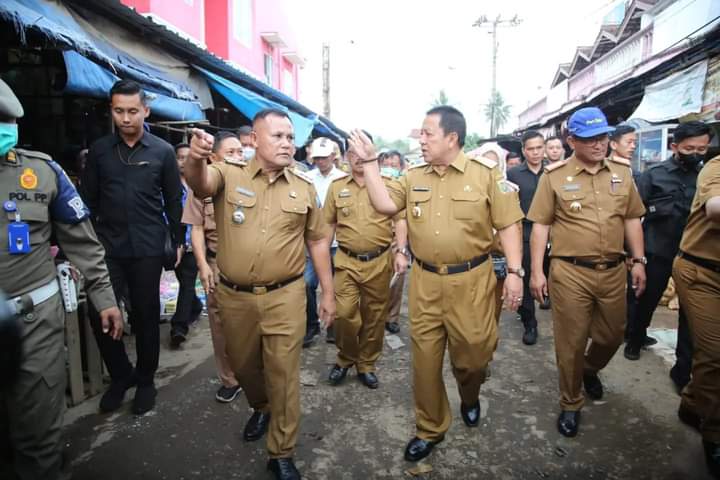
(649, 341)
(144, 400)
(337, 374)
(568, 423)
(593, 386)
(177, 339)
(712, 457)
(470, 415)
(392, 327)
(530, 336)
(310, 335)
(283, 469)
(632, 351)
(688, 417)
(369, 379)
(256, 426)
(418, 449)
(113, 398)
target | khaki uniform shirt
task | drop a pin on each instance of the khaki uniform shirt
(587, 211)
(201, 213)
(451, 216)
(702, 236)
(360, 228)
(48, 203)
(279, 216)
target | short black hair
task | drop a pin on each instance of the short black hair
(529, 135)
(691, 129)
(395, 153)
(451, 121)
(620, 130)
(181, 145)
(244, 131)
(220, 137)
(512, 154)
(267, 112)
(128, 87)
(553, 137)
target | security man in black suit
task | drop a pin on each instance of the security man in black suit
(667, 189)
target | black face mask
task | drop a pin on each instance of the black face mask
(690, 160)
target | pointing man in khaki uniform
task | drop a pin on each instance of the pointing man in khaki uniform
(363, 267)
(38, 200)
(266, 214)
(697, 277)
(453, 203)
(592, 206)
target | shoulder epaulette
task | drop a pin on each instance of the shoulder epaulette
(621, 161)
(33, 154)
(416, 165)
(341, 175)
(485, 162)
(555, 165)
(236, 162)
(301, 175)
(513, 185)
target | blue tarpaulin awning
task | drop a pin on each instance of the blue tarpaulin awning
(250, 103)
(87, 78)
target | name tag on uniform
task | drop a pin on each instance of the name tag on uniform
(242, 191)
(344, 193)
(616, 180)
(571, 187)
(421, 189)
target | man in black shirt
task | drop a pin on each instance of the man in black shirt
(132, 186)
(526, 176)
(667, 189)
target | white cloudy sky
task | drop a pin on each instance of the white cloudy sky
(389, 58)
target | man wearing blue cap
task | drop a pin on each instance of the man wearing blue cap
(591, 205)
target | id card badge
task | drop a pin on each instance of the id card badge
(18, 238)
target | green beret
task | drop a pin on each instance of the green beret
(9, 104)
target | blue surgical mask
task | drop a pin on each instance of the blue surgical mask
(8, 137)
(392, 171)
(248, 153)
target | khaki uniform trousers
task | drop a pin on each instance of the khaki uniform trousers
(264, 339)
(222, 362)
(699, 292)
(586, 303)
(457, 310)
(31, 411)
(396, 297)
(361, 294)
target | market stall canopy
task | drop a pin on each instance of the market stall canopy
(675, 96)
(250, 103)
(71, 33)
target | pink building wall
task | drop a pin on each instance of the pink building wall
(184, 15)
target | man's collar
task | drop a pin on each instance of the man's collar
(673, 164)
(143, 139)
(458, 164)
(578, 166)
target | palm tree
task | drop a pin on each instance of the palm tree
(497, 113)
(442, 99)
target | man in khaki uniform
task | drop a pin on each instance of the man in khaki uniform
(266, 214)
(592, 205)
(201, 215)
(697, 278)
(363, 267)
(453, 203)
(38, 200)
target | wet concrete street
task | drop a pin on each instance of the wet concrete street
(350, 432)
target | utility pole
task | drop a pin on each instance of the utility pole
(482, 22)
(326, 79)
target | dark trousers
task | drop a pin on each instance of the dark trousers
(189, 305)
(658, 271)
(527, 307)
(141, 278)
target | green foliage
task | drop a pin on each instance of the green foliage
(401, 145)
(497, 113)
(441, 99)
(472, 141)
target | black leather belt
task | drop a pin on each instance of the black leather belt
(592, 265)
(363, 257)
(210, 253)
(701, 262)
(258, 289)
(451, 269)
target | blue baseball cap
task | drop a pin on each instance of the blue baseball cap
(588, 122)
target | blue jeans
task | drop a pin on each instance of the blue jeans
(311, 285)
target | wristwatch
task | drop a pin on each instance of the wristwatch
(642, 260)
(520, 272)
(404, 251)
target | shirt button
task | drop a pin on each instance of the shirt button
(267, 208)
(597, 193)
(263, 230)
(441, 196)
(437, 232)
(438, 214)
(442, 179)
(30, 316)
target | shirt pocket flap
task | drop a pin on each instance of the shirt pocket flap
(294, 205)
(419, 196)
(344, 202)
(241, 199)
(467, 196)
(31, 212)
(661, 206)
(570, 196)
